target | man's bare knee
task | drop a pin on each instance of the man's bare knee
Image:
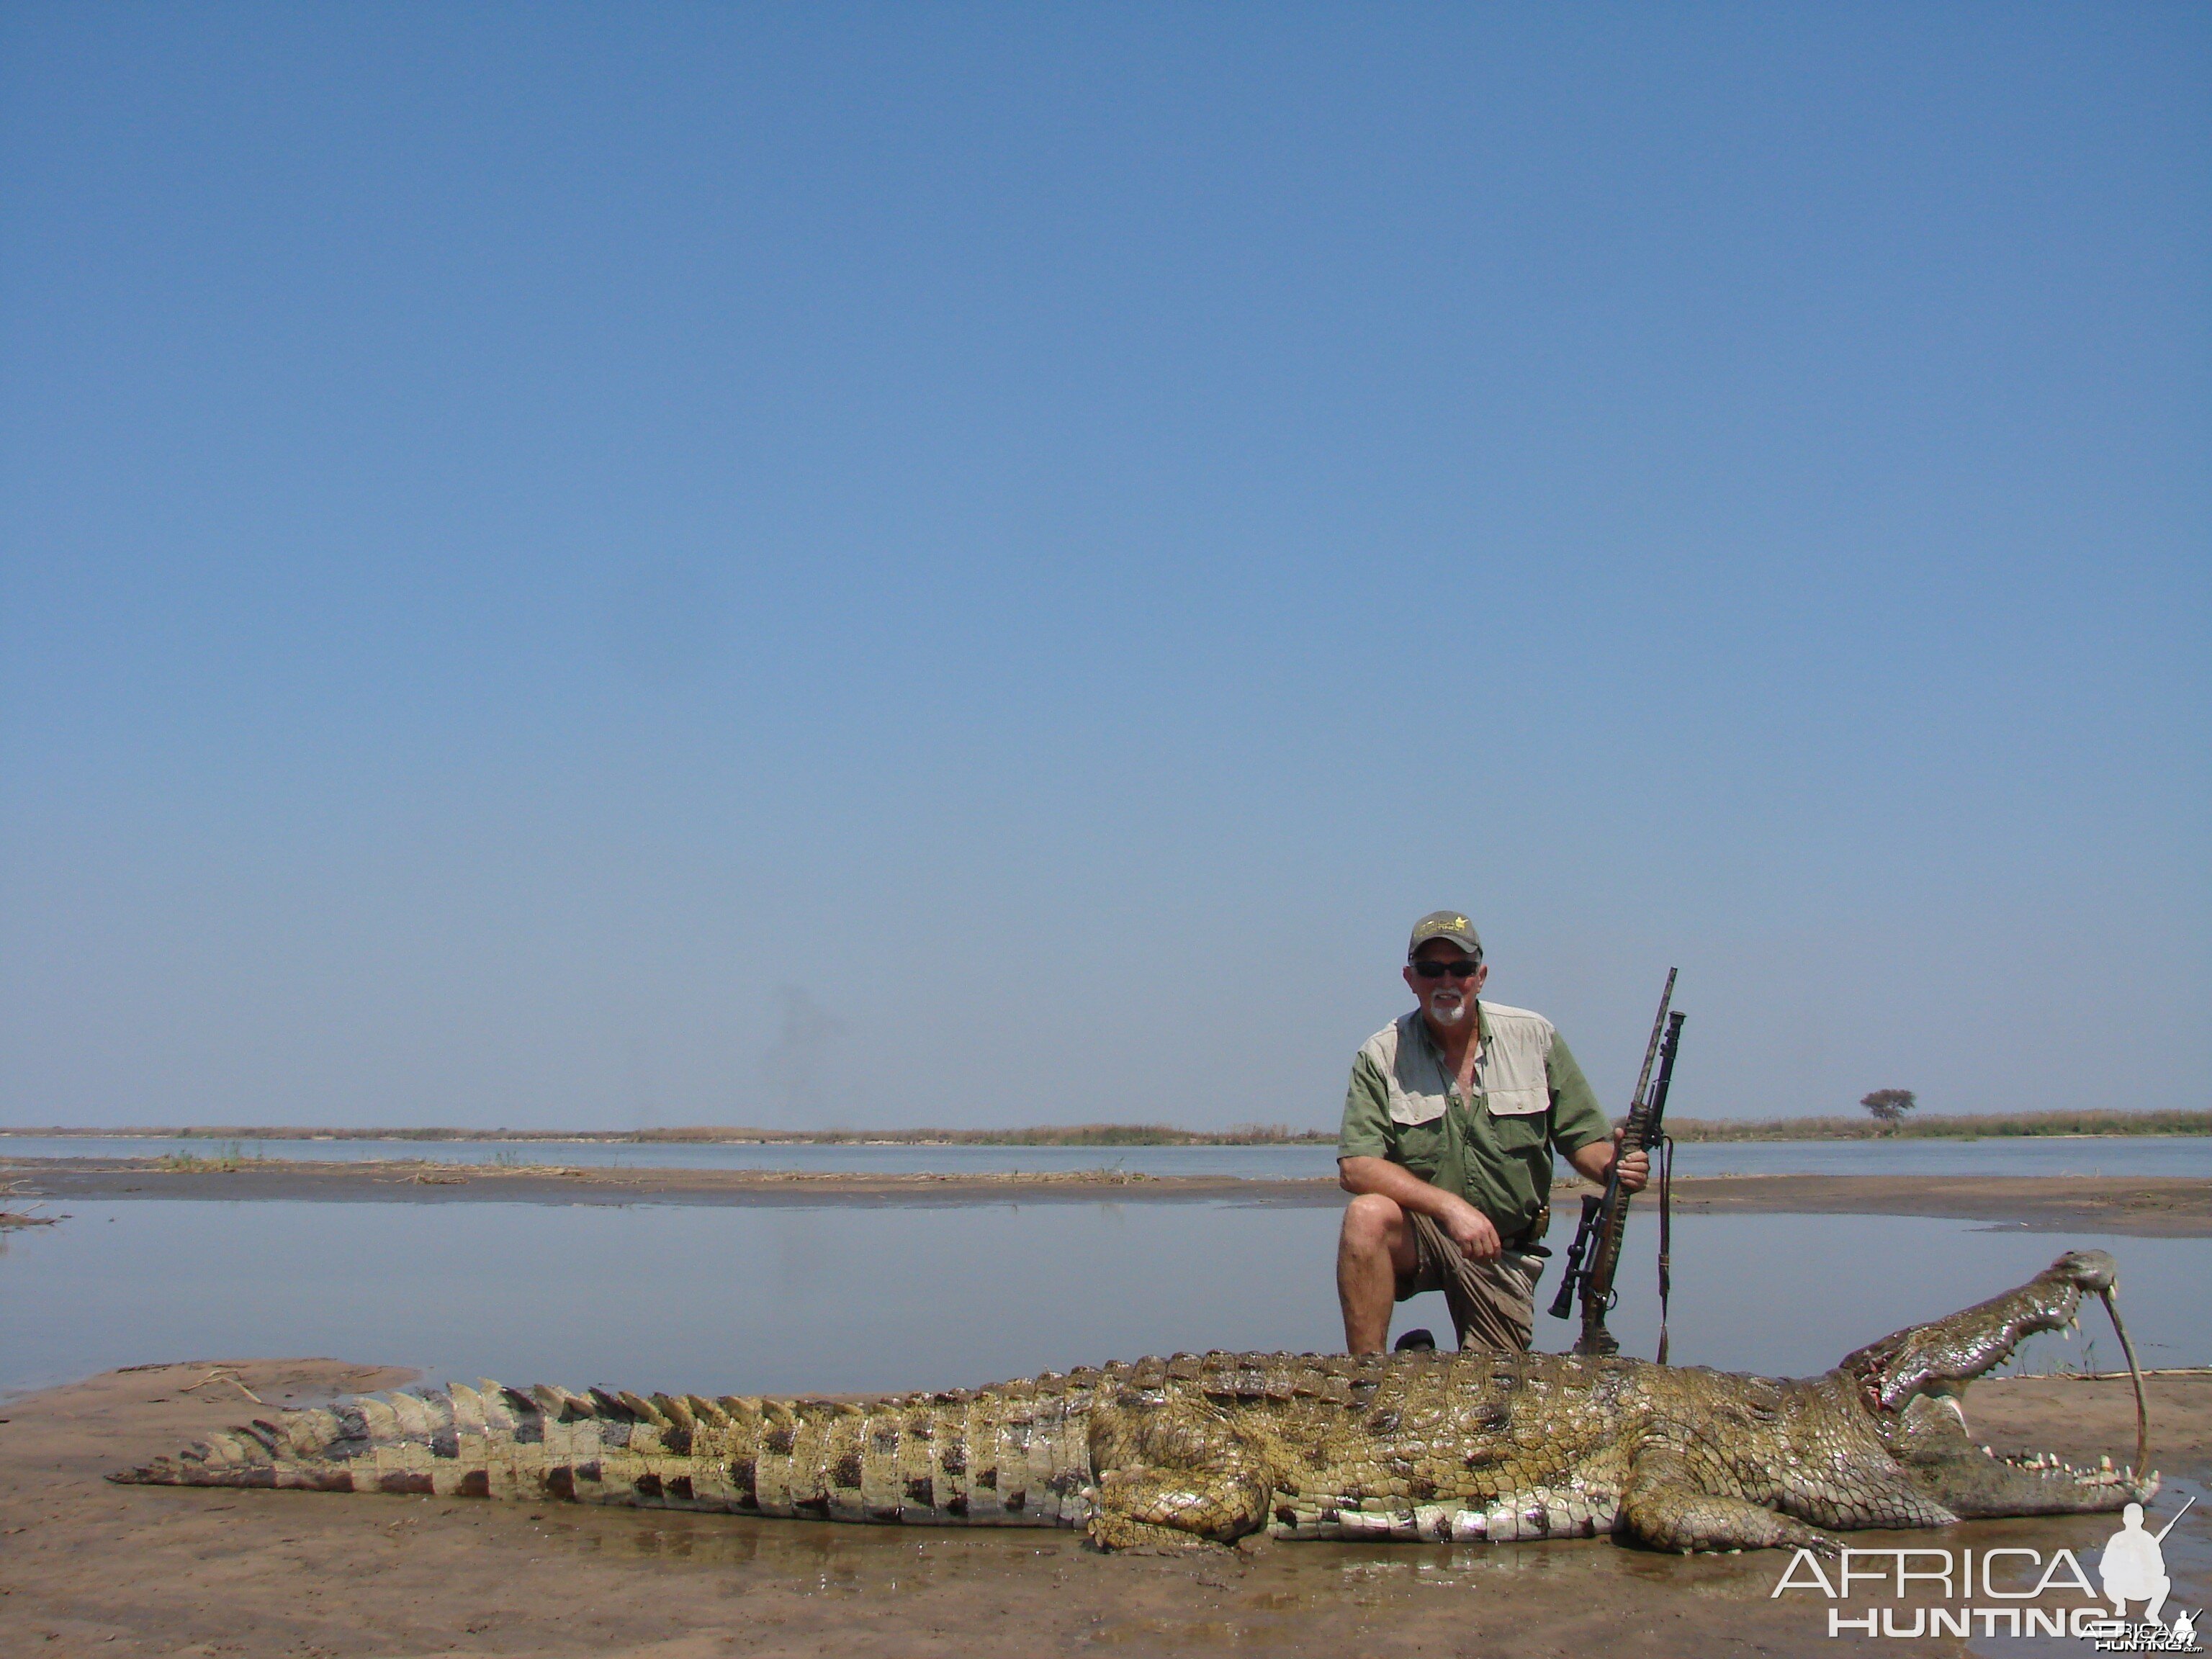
(1376, 1225)
(1371, 1220)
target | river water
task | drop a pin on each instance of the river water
(2105, 1155)
(732, 1299)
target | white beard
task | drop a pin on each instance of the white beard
(1446, 1013)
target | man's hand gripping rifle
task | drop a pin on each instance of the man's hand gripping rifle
(1605, 1219)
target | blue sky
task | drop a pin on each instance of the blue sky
(571, 566)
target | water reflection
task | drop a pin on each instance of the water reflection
(735, 1300)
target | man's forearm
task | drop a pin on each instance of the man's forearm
(1593, 1162)
(1394, 1181)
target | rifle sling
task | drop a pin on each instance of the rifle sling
(1666, 1235)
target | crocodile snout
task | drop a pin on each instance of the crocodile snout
(2088, 1270)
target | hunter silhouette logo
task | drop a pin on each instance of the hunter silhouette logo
(2134, 1565)
(2133, 1569)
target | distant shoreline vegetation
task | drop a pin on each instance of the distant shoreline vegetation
(1993, 1126)
(1076, 1134)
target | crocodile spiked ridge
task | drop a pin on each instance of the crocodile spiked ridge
(1497, 1446)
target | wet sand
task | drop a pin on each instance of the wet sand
(87, 1567)
(2167, 1206)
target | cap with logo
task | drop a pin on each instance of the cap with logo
(1448, 924)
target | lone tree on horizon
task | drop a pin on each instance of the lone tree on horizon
(1887, 1107)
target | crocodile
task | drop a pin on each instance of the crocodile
(1218, 1447)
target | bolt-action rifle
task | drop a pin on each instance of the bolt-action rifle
(1605, 1218)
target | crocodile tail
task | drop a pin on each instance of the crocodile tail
(312, 1449)
(396, 1443)
(488, 1441)
(1017, 1456)
(1014, 1455)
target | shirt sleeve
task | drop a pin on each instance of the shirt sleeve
(1577, 1121)
(1366, 1131)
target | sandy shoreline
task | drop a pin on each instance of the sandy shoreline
(2165, 1206)
(87, 1567)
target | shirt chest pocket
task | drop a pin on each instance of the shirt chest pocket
(1418, 1096)
(1514, 1081)
(1516, 1098)
(1418, 1104)
(1517, 1103)
(1420, 1146)
(1514, 1123)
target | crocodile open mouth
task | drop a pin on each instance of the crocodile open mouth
(1914, 1383)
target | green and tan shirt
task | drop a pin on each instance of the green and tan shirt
(1492, 1148)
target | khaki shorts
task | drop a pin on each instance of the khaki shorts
(1493, 1304)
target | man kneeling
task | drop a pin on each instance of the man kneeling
(1449, 1127)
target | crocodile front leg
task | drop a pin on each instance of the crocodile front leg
(1670, 1505)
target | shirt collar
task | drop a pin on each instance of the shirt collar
(1429, 1038)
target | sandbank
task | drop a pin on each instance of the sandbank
(87, 1567)
(2156, 1206)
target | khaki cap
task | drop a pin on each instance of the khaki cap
(1449, 925)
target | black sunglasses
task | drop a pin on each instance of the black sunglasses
(1465, 968)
